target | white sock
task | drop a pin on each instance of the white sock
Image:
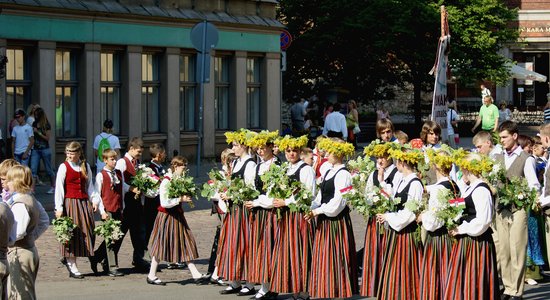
(264, 289)
(71, 262)
(232, 285)
(215, 273)
(193, 269)
(153, 270)
(248, 286)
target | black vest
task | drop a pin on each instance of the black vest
(258, 180)
(404, 195)
(388, 180)
(469, 212)
(296, 175)
(327, 192)
(240, 173)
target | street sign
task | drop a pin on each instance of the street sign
(286, 39)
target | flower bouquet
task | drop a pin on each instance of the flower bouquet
(449, 209)
(182, 185)
(303, 197)
(277, 183)
(217, 182)
(516, 193)
(239, 192)
(109, 230)
(63, 229)
(146, 181)
(361, 166)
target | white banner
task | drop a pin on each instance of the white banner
(439, 104)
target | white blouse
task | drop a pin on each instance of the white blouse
(337, 203)
(483, 204)
(429, 221)
(400, 219)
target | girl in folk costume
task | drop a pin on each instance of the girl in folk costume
(261, 218)
(384, 177)
(171, 238)
(233, 241)
(472, 268)
(400, 275)
(438, 244)
(333, 269)
(294, 235)
(74, 190)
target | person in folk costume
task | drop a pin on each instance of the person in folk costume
(544, 199)
(511, 222)
(30, 221)
(294, 234)
(261, 217)
(321, 165)
(133, 205)
(472, 269)
(385, 177)
(400, 275)
(333, 269)
(438, 244)
(75, 197)
(171, 238)
(234, 237)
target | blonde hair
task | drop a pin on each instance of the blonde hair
(545, 129)
(482, 137)
(177, 161)
(6, 165)
(402, 137)
(75, 146)
(21, 177)
(109, 153)
(156, 149)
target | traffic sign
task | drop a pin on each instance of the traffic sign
(286, 39)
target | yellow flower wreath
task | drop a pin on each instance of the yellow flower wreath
(336, 147)
(287, 142)
(378, 148)
(263, 138)
(439, 157)
(476, 166)
(407, 154)
(241, 136)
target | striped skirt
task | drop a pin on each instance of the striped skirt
(232, 244)
(292, 253)
(171, 239)
(82, 242)
(473, 269)
(435, 262)
(334, 268)
(400, 275)
(260, 244)
(375, 239)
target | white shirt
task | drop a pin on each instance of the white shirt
(163, 193)
(113, 141)
(22, 219)
(337, 203)
(22, 134)
(336, 121)
(60, 185)
(529, 169)
(400, 219)
(99, 187)
(429, 221)
(452, 115)
(387, 187)
(483, 203)
(249, 172)
(121, 166)
(544, 199)
(263, 200)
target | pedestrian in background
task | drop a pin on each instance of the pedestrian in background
(547, 112)
(504, 113)
(484, 92)
(488, 118)
(352, 122)
(106, 139)
(31, 110)
(452, 124)
(335, 124)
(22, 139)
(41, 148)
(297, 114)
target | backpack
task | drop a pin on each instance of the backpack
(103, 145)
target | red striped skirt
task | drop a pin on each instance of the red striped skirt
(171, 239)
(435, 262)
(232, 244)
(375, 239)
(82, 242)
(260, 244)
(333, 268)
(292, 253)
(473, 269)
(400, 276)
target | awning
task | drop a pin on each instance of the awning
(524, 74)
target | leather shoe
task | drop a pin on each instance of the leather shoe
(93, 265)
(202, 280)
(217, 281)
(247, 293)
(155, 281)
(75, 276)
(266, 296)
(230, 291)
(115, 273)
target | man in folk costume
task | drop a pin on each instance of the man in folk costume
(511, 222)
(544, 200)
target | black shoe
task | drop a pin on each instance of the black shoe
(93, 265)
(505, 297)
(115, 273)
(202, 280)
(217, 281)
(230, 291)
(266, 296)
(75, 276)
(105, 266)
(516, 297)
(141, 266)
(176, 266)
(155, 281)
(248, 293)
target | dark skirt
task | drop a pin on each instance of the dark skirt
(82, 213)
(434, 269)
(232, 244)
(171, 239)
(375, 239)
(260, 245)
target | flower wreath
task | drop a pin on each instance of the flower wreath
(407, 154)
(240, 136)
(288, 142)
(263, 138)
(378, 148)
(336, 147)
(440, 157)
(476, 166)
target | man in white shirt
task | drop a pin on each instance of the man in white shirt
(484, 92)
(23, 139)
(335, 124)
(113, 140)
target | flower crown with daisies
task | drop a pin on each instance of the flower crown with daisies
(288, 142)
(378, 148)
(407, 154)
(336, 147)
(263, 138)
(241, 136)
(476, 166)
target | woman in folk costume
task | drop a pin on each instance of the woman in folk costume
(400, 276)
(171, 238)
(233, 241)
(438, 244)
(472, 268)
(74, 192)
(261, 218)
(294, 235)
(333, 268)
(384, 177)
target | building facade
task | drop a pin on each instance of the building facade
(134, 62)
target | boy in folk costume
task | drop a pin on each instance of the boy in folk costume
(133, 208)
(511, 222)
(544, 200)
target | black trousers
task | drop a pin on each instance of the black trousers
(110, 253)
(134, 222)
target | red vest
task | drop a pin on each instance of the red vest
(75, 184)
(176, 210)
(112, 198)
(130, 171)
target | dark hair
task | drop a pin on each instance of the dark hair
(427, 127)
(510, 126)
(136, 143)
(525, 141)
(336, 107)
(40, 118)
(19, 112)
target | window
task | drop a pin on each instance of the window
(188, 87)
(150, 103)
(253, 99)
(110, 89)
(221, 94)
(18, 83)
(66, 103)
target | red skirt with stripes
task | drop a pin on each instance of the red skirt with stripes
(334, 264)
(400, 276)
(375, 239)
(82, 242)
(260, 244)
(171, 239)
(292, 253)
(473, 269)
(232, 244)
(435, 262)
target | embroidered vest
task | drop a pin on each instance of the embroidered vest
(75, 184)
(111, 195)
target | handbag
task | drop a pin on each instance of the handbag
(356, 129)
